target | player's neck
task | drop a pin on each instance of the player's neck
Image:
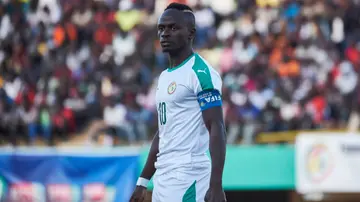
(177, 59)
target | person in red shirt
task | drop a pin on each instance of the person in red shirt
(63, 121)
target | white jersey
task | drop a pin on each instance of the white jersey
(182, 93)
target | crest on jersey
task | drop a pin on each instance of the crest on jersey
(172, 88)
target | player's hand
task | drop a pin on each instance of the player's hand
(215, 194)
(139, 194)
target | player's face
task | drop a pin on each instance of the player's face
(172, 31)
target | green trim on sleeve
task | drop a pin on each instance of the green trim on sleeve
(202, 72)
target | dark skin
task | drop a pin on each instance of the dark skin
(176, 30)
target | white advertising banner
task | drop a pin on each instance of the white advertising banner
(327, 163)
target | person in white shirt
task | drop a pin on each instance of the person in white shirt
(28, 117)
(115, 120)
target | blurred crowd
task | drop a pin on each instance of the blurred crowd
(285, 64)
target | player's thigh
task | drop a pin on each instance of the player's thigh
(196, 187)
(175, 187)
(202, 181)
(182, 185)
(202, 185)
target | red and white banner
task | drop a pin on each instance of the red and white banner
(327, 163)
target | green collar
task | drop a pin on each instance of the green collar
(181, 64)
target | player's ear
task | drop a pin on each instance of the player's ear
(192, 33)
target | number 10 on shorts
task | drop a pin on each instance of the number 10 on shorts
(162, 113)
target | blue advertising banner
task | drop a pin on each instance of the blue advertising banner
(67, 175)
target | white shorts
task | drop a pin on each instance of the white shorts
(182, 185)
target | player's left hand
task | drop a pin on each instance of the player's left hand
(215, 194)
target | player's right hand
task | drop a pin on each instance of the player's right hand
(139, 194)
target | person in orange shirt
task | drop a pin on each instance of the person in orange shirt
(288, 67)
(63, 32)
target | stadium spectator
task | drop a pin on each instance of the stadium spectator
(7, 119)
(62, 121)
(116, 122)
(28, 117)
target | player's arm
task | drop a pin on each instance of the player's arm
(213, 118)
(211, 107)
(149, 169)
(207, 87)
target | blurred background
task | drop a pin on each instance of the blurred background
(83, 73)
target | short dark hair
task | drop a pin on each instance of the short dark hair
(178, 6)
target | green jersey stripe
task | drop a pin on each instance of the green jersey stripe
(202, 72)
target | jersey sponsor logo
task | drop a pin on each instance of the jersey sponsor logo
(29, 192)
(62, 193)
(202, 71)
(172, 87)
(98, 192)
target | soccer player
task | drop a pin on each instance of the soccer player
(190, 118)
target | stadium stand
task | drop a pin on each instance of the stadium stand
(286, 65)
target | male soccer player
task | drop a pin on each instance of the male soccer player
(190, 119)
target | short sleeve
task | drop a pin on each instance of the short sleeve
(206, 84)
